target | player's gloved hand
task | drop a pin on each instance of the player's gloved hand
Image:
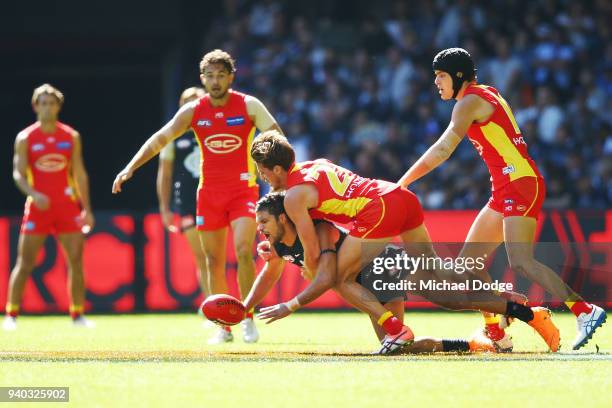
(273, 313)
(123, 176)
(87, 221)
(264, 250)
(41, 201)
(168, 220)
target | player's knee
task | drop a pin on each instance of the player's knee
(244, 252)
(24, 265)
(75, 259)
(212, 260)
(520, 266)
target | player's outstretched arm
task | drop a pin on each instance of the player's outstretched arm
(165, 170)
(20, 169)
(171, 130)
(324, 279)
(266, 279)
(82, 182)
(464, 113)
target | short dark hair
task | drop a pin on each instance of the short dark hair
(273, 149)
(218, 57)
(273, 203)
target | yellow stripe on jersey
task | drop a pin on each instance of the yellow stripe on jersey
(382, 216)
(250, 162)
(535, 197)
(30, 176)
(505, 107)
(74, 192)
(296, 167)
(349, 207)
(497, 137)
(201, 182)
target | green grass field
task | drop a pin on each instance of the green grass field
(306, 360)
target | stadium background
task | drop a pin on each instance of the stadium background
(349, 81)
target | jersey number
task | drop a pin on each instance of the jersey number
(339, 186)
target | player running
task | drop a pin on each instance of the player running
(518, 189)
(283, 244)
(379, 211)
(224, 122)
(179, 173)
(48, 168)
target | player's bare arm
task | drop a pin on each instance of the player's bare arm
(260, 115)
(267, 278)
(20, 169)
(297, 202)
(82, 181)
(469, 109)
(324, 279)
(170, 131)
(164, 190)
(326, 273)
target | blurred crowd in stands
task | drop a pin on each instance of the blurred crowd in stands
(352, 81)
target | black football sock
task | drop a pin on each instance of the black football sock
(455, 345)
(523, 313)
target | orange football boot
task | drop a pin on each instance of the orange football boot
(543, 324)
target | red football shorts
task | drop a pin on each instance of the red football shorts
(59, 218)
(522, 197)
(388, 215)
(217, 208)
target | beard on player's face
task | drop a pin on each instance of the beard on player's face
(273, 231)
(279, 234)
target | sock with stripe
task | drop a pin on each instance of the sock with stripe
(12, 310)
(76, 311)
(492, 323)
(390, 324)
(578, 306)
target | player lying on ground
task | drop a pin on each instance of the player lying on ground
(379, 211)
(518, 188)
(284, 245)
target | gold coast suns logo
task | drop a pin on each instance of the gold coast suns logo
(222, 143)
(51, 162)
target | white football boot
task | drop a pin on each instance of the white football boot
(81, 321)
(587, 323)
(222, 336)
(395, 344)
(9, 323)
(249, 331)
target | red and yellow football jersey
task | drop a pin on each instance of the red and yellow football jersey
(499, 140)
(225, 135)
(342, 193)
(49, 161)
